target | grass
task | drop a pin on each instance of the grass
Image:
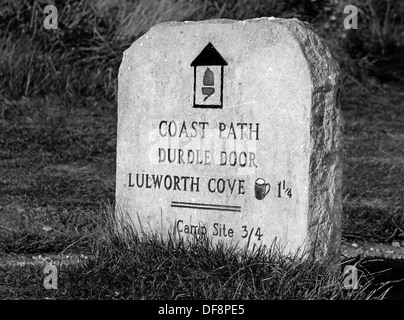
(58, 139)
(58, 172)
(124, 266)
(374, 168)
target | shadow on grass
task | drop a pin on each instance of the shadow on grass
(387, 276)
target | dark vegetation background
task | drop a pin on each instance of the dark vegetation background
(58, 110)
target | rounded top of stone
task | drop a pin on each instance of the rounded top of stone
(324, 69)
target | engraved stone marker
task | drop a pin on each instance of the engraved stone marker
(232, 129)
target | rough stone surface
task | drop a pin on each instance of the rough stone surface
(278, 78)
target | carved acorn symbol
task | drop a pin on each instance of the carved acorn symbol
(208, 82)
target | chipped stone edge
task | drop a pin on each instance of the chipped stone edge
(325, 192)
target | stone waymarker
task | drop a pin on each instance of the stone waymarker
(231, 129)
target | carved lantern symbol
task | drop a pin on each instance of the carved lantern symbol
(208, 78)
